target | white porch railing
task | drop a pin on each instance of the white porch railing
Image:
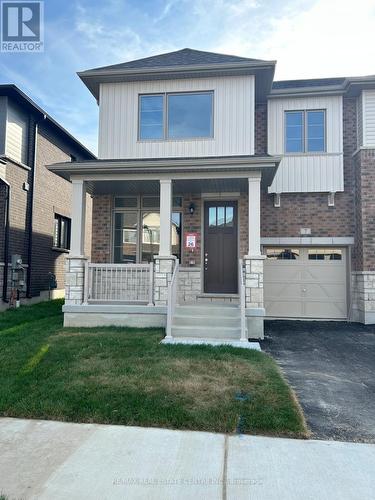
(242, 293)
(131, 283)
(172, 299)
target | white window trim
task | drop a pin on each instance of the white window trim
(166, 137)
(305, 137)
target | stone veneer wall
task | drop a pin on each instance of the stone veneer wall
(254, 282)
(189, 284)
(363, 297)
(74, 280)
(163, 271)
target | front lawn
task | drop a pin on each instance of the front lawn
(125, 376)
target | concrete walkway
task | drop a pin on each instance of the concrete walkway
(52, 461)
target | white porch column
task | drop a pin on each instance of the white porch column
(164, 262)
(165, 249)
(75, 263)
(77, 243)
(254, 216)
(254, 265)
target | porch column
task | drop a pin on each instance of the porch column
(165, 217)
(164, 262)
(76, 262)
(77, 243)
(254, 265)
(254, 216)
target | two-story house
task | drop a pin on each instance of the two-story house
(35, 204)
(221, 197)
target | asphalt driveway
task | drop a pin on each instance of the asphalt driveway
(331, 366)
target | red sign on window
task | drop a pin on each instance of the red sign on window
(191, 240)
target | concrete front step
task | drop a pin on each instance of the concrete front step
(206, 321)
(214, 321)
(208, 332)
(208, 310)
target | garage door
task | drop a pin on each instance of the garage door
(305, 283)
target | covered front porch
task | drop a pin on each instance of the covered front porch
(174, 244)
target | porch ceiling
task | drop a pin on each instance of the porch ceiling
(152, 187)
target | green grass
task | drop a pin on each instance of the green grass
(125, 376)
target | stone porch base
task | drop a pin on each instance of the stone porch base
(363, 297)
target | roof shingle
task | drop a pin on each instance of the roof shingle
(183, 57)
(312, 82)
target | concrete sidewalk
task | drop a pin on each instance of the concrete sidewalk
(53, 460)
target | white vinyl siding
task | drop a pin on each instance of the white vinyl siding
(16, 134)
(307, 172)
(368, 114)
(233, 119)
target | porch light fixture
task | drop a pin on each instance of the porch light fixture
(192, 208)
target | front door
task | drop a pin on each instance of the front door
(220, 247)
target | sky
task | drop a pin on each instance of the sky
(308, 38)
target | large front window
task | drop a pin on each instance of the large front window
(305, 131)
(176, 116)
(137, 231)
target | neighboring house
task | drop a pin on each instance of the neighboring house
(262, 190)
(35, 204)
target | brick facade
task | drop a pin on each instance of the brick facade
(19, 206)
(365, 209)
(191, 224)
(261, 128)
(101, 228)
(353, 214)
(311, 210)
(363, 277)
(52, 194)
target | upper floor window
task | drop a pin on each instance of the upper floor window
(305, 131)
(176, 116)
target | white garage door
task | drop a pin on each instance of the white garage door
(305, 283)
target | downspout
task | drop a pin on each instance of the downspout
(6, 239)
(32, 164)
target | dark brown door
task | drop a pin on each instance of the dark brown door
(220, 247)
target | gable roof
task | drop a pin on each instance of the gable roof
(183, 57)
(184, 63)
(11, 90)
